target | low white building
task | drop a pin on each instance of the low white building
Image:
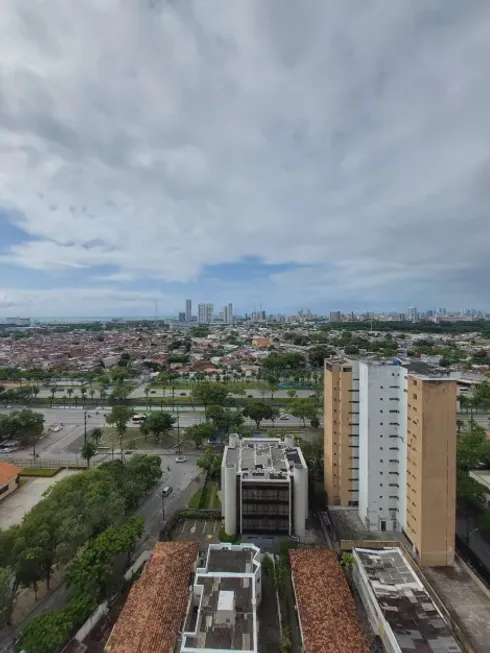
(398, 606)
(264, 486)
(222, 611)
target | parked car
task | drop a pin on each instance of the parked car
(182, 394)
(167, 490)
(181, 459)
(153, 392)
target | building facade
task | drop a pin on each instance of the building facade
(209, 313)
(188, 310)
(264, 486)
(390, 450)
(201, 313)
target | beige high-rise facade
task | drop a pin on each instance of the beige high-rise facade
(390, 450)
(431, 469)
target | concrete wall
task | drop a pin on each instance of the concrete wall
(8, 488)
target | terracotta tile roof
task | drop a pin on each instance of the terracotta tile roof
(8, 472)
(157, 603)
(325, 605)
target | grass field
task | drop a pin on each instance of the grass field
(133, 439)
(210, 499)
(39, 471)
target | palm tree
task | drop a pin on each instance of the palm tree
(147, 392)
(83, 392)
(91, 393)
(35, 390)
(53, 392)
(97, 434)
(69, 392)
(88, 451)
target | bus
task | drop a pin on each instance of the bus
(137, 419)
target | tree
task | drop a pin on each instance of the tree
(200, 433)
(53, 392)
(292, 393)
(224, 419)
(96, 435)
(7, 580)
(147, 392)
(27, 426)
(304, 409)
(210, 462)
(258, 411)
(208, 393)
(160, 424)
(88, 451)
(119, 418)
(317, 355)
(273, 385)
(314, 422)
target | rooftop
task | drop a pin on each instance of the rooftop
(224, 602)
(415, 621)
(326, 608)
(155, 609)
(8, 472)
(269, 458)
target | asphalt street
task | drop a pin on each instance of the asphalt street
(157, 393)
(60, 445)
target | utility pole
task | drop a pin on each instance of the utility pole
(85, 426)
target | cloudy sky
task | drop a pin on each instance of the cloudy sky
(294, 153)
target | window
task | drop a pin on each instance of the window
(414, 396)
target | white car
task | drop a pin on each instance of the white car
(283, 417)
(181, 459)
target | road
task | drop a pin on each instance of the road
(65, 444)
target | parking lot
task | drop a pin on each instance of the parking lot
(205, 531)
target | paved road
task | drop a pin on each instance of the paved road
(60, 445)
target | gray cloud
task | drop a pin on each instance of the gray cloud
(352, 137)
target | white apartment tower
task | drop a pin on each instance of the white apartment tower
(201, 313)
(188, 310)
(209, 313)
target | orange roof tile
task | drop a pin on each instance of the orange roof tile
(8, 472)
(157, 603)
(325, 605)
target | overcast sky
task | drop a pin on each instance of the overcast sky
(314, 154)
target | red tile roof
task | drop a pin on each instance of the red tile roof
(157, 603)
(8, 472)
(325, 605)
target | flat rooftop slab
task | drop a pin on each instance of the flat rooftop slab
(467, 603)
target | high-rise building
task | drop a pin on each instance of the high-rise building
(188, 310)
(201, 313)
(413, 316)
(182, 317)
(335, 316)
(390, 450)
(228, 313)
(209, 313)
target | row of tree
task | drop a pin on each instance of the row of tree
(92, 577)
(473, 452)
(74, 512)
(25, 426)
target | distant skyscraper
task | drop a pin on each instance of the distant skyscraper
(335, 316)
(412, 314)
(188, 310)
(201, 313)
(228, 314)
(209, 313)
(181, 317)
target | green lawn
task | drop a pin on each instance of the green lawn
(133, 439)
(39, 471)
(210, 499)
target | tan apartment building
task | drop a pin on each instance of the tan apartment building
(431, 469)
(390, 450)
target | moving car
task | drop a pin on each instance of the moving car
(181, 459)
(167, 490)
(250, 396)
(283, 417)
(182, 394)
